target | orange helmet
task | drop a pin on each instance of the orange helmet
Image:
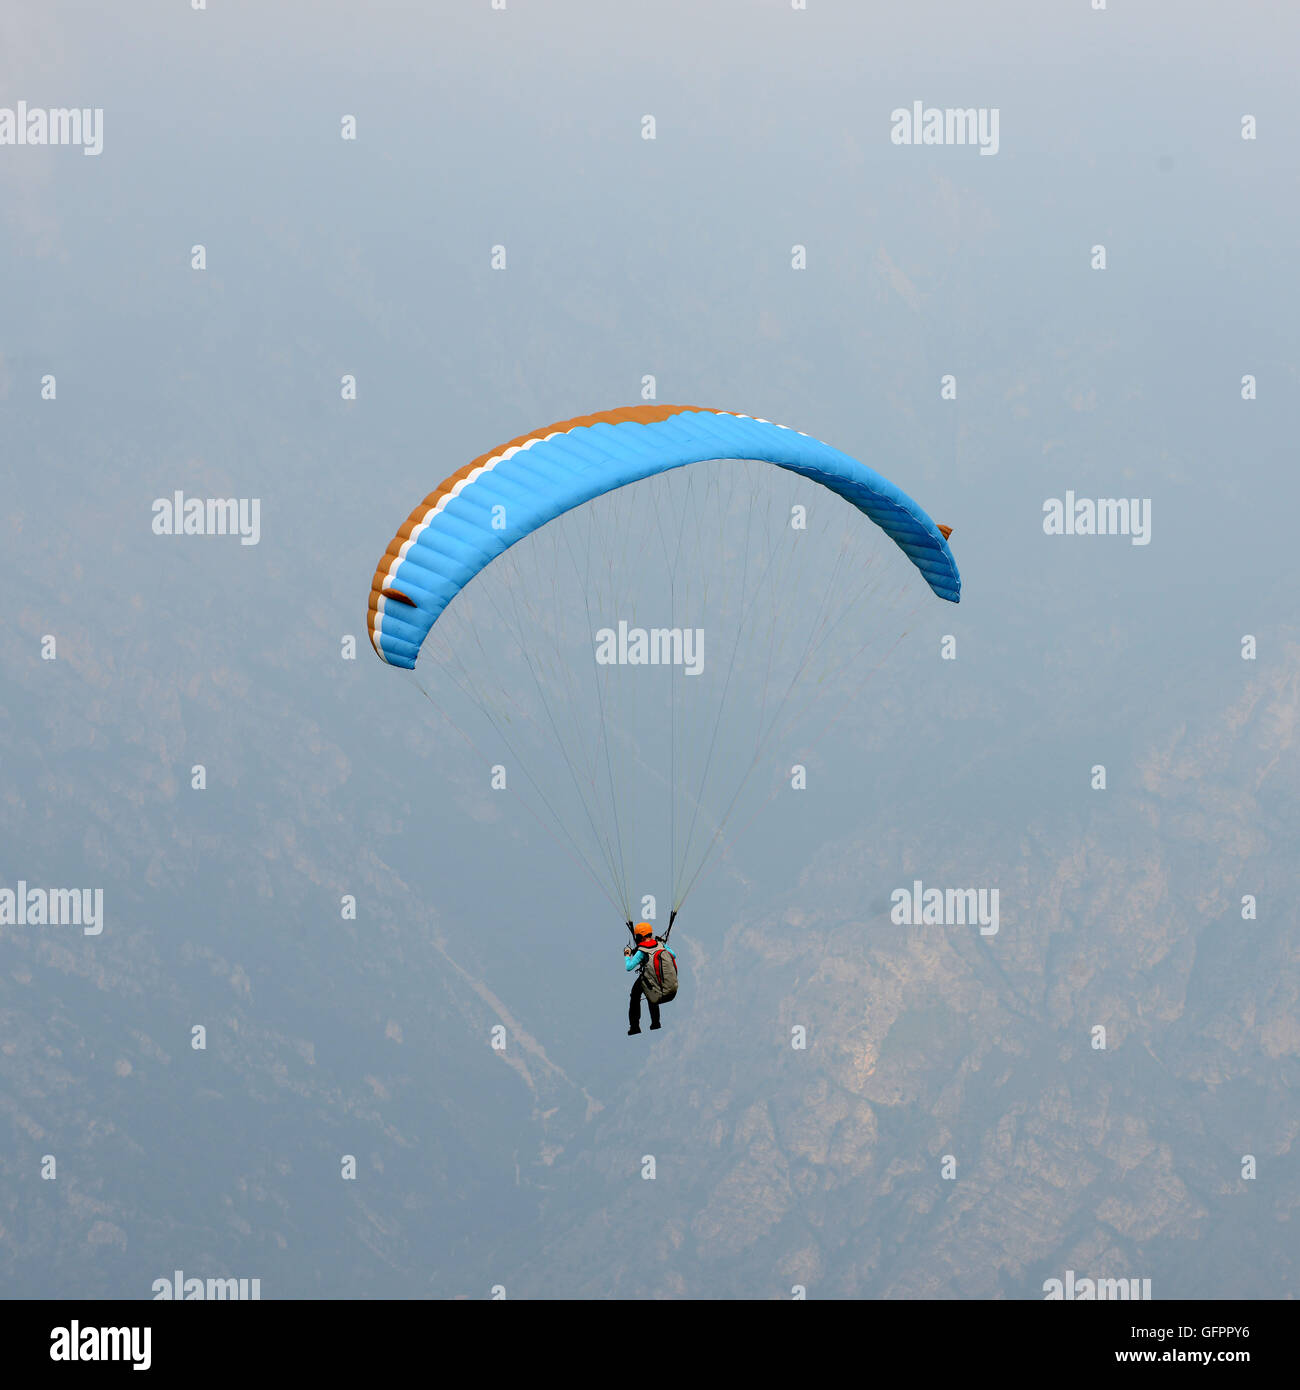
(644, 933)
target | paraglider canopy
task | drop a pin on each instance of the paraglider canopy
(502, 496)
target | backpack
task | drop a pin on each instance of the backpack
(659, 975)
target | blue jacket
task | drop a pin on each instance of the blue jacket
(638, 958)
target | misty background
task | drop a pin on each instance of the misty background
(669, 257)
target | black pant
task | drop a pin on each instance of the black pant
(634, 1007)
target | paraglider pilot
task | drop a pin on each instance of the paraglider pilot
(656, 967)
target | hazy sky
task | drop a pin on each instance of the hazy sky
(128, 373)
